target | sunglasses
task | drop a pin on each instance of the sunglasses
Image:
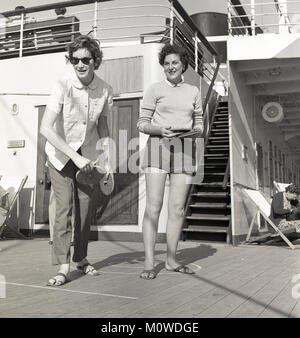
(85, 61)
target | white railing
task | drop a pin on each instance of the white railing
(39, 29)
(252, 17)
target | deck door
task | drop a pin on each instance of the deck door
(122, 206)
(42, 177)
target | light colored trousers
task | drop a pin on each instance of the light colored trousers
(70, 198)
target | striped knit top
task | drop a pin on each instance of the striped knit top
(168, 105)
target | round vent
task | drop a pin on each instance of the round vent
(272, 112)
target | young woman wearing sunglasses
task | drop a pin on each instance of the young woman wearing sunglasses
(74, 121)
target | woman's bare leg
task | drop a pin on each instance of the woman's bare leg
(179, 187)
(155, 185)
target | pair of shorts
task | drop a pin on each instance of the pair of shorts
(170, 155)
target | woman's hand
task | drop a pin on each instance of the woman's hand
(84, 164)
(199, 130)
(166, 132)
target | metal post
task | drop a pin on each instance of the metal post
(196, 52)
(229, 17)
(172, 23)
(252, 17)
(21, 35)
(284, 20)
(214, 61)
(18, 212)
(95, 19)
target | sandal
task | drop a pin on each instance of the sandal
(182, 269)
(148, 274)
(58, 281)
(88, 269)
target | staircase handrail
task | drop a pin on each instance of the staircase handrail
(210, 88)
(226, 176)
(192, 186)
(211, 120)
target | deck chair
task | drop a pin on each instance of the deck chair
(264, 209)
(13, 186)
(280, 186)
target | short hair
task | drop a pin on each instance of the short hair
(92, 45)
(174, 49)
(292, 188)
(60, 11)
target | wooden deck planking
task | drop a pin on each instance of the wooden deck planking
(167, 299)
(243, 277)
(296, 310)
(54, 301)
(258, 278)
(209, 295)
(188, 282)
(66, 305)
(218, 294)
(227, 274)
(185, 295)
(236, 298)
(223, 287)
(254, 306)
(283, 301)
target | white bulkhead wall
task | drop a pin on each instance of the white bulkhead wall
(27, 82)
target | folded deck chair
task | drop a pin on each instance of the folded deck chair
(264, 209)
(12, 186)
(280, 186)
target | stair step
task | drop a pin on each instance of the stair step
(222, 155)
(214, 170)
(213, 164)
(208, 217)
(217, 146)
(210, 205)
(221, 134)
(214, 174)
(218, 138)
(216, 152)
(213, 184)
(220, 126)
(224, 101)
(210, 160)
(221, 122)
(219, 130)
(194, 228)
(221, 118)
(216, 143)
(211, 194)
(220, 115)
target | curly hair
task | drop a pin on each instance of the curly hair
(174, 49)
(92, 45)
(292, 188)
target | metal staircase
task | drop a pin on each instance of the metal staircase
(208, 210)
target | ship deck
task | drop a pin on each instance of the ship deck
(242, 281)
